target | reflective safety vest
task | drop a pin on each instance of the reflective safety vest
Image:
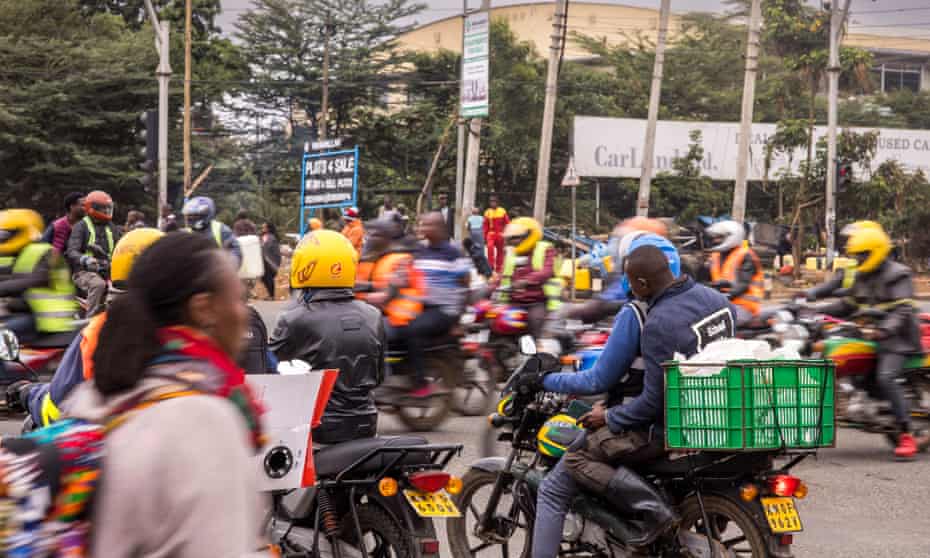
(849, 276)
(751, 300)
(407, 303)
(54, 306)
(92, 237)
(217, 229)
(553, 286)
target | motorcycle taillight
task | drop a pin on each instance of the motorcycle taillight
(429, 481)
(787, 485)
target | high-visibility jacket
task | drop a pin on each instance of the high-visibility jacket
(751, 300)
(53, 306)
(217, 229)
(407, 302)
(495, 220)
(92, 237)
(553, 286)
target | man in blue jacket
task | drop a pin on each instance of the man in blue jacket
(682, 317)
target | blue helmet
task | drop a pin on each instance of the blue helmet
(199, 212)
(649, 239)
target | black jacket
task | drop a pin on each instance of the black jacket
(77, 242)
(329, 328)
(889, 288)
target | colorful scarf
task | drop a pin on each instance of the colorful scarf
(222, 377)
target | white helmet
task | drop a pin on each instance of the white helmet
(727, 234)
(623, 248)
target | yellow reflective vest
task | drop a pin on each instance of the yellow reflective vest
(54, 306)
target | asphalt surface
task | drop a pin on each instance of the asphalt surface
(862, 504)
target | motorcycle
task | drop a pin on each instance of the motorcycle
(373, 497)
(742, 502)
(496, 329)
(458, 382)
(858, 404)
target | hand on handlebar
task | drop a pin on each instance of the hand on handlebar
(873, 334)
(90, 264)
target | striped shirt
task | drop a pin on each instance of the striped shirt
(445, 270)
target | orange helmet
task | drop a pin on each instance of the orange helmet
(99, 206)
(646, 224)
(315, 224)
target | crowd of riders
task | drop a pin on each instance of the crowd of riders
(167, 326)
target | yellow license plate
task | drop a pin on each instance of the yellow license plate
(432, 504)
(782, 515)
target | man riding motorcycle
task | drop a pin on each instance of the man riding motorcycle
(683, 317)
(609, 301)
(43, 400)
(385, 254)
(327, 327)
(735, 269)
(529, 278)
(882, 284)
(90, 248)
(34, 278)
(200, 216)
(844, 277)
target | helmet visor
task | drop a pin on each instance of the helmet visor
(105, 209)
(6, 234)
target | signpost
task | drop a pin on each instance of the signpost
(572, 181)
(475, 66)
(328, 180)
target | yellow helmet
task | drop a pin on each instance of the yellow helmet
(523, 233)
(323, 259)
(18, 229)
(869, 244)
(127, 250)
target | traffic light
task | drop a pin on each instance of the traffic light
(844, 176)
(149, 121)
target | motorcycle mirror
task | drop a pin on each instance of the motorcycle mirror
(527, 345)
(9, 346)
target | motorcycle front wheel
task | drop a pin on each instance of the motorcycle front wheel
(511, 530)
(731, 524)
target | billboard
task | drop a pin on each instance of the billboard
(475, 66)
(328, 179)
(612, 147)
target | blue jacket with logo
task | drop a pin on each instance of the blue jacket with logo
(683, 319)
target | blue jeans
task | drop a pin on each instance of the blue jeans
(555, 495)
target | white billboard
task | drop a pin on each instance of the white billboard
(613, 147)
(475, 66)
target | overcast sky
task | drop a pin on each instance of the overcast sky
(881, 17)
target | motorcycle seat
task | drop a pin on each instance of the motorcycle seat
(54, 340)
(332, 460)
(682, 465)
(437, 343)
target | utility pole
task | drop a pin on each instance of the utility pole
(749, 98)
(649, 150)
(460, 152)
(187, 95)
(837, 21)
(324, 112)
(545, 137)
(163, 46)
(470, 185)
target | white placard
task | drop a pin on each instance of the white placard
(613, 147)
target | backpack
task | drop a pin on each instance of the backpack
(48, 479)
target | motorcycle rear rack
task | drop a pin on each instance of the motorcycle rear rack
(440, 455)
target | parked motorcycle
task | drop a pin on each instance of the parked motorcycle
(743, 502)
(373, 497)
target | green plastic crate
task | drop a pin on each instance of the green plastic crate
(751, 405)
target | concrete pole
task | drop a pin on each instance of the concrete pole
(187, 96)
(545, 137)
(470, 185)
(460, 154)
(655, 94)
(749, 97)
(164, 77)
(837, 20)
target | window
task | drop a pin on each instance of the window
(895, 77)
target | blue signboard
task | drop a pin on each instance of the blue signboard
(328, 179)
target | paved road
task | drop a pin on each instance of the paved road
(862, 504)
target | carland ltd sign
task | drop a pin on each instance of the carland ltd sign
(612, 147)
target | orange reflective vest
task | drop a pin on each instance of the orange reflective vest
(751, 300)
(89, 338)
(406, 305)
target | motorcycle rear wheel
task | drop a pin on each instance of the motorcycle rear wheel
(434, 410)
(465, 543)
(382, 536)
(725, 515)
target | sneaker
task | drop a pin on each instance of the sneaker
(426, 391)
(907, 447)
